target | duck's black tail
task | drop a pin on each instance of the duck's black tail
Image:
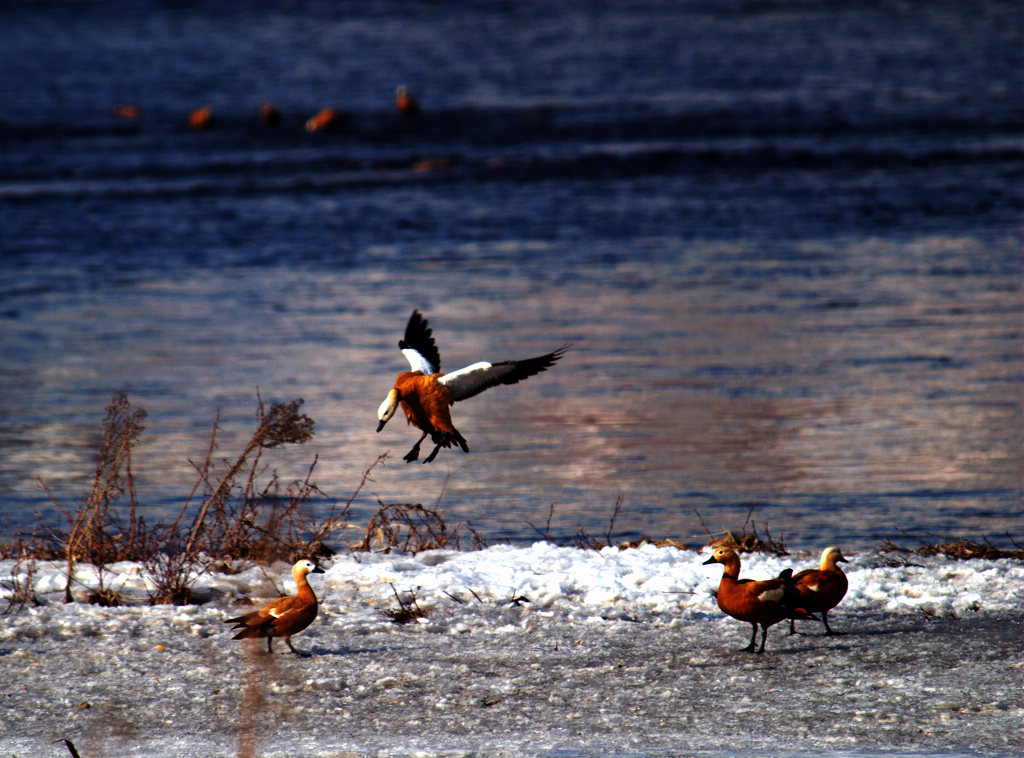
(791, 600)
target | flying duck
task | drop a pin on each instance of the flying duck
(425, 393)
(821, 589)
(285, 616)
(763, 603)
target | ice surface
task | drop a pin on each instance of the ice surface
(538, 650)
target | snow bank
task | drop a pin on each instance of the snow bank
(584, 582)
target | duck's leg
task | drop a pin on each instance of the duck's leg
(288, 641)
(764, 637)
(270, 645)
(433, 454)
(415, 452)
(828, 630)
(753, 637)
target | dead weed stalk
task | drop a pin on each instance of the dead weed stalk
(745, 542)
(245, 514)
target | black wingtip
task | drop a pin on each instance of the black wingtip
(419, 337)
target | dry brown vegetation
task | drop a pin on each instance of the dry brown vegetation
(961, 549)
(235, 511)
(239, 518)
(745, 542)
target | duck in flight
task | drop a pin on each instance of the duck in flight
(425, 393)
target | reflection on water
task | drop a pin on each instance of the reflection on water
(849, 403)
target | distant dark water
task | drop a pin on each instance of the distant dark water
(783, 238)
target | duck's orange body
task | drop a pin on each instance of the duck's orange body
(201, 118)
(324, 120)
(759, 603)
(127, 111)
(821, 589)
(406, 104)
(285, 616)
(426, 403)
(426, 394)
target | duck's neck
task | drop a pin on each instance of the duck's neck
(828, 563)
(731, 569)
(304, 589)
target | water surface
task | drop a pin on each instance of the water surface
(782, 239)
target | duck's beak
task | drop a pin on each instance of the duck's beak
(710, 560)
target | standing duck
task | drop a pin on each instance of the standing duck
(425, 393)
(285, 616)
(763, 603)
(405, 103)
(821, 589)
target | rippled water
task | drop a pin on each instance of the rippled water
(783, 240)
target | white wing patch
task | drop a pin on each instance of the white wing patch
(462, 372)
(467, 381)
(417, 361)
(772, 596)
(277, 613)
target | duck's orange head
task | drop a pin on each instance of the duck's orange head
(723, 555)
(303, 568)
(830, 556)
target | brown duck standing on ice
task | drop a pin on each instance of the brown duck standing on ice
(821, 589)
(285, 616)
(763, 603)
(425, 393)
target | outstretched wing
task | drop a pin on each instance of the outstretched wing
(418, 345)
(472, 380)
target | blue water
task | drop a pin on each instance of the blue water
(783, 238)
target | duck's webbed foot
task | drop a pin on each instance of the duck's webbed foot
(414, 454)
(297, 652)
(829, 631)
(433, 454)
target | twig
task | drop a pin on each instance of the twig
(615, 516)
(547, 527)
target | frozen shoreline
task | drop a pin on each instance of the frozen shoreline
(613, 653)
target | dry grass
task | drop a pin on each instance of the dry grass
(238, 509)
(245, 513)
(414, 528)
(745, 542)
(408, 609)
(411, 528)
(583, 539)
(960, 549)
(20, 586)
